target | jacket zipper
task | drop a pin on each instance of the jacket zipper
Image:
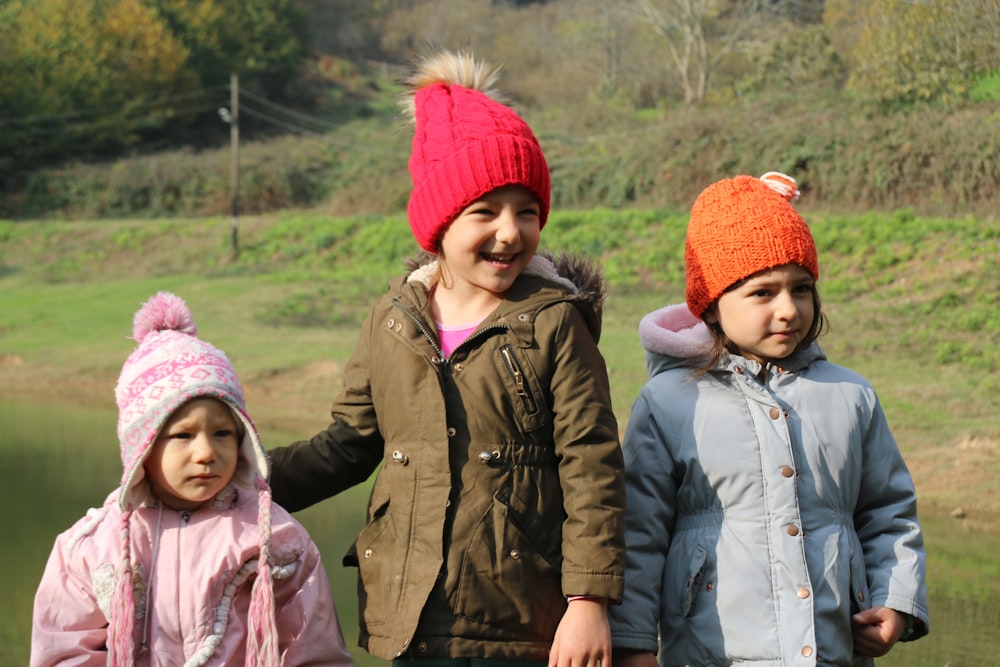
(517, 374)
(185, 519)
(419, 323)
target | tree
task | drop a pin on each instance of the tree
(263, 41)
(921, 51)
(700, 34)
(84, 78)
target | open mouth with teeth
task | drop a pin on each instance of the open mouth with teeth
(498, 259)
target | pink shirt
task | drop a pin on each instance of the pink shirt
(451, 338)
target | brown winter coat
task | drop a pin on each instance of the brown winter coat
(502, 488)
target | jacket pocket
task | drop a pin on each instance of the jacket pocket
(689, 580)
(526, 397)
(380, 570)
(860, 597)
(506, 578)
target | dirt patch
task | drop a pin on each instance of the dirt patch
(961, 479)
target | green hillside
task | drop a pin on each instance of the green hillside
(914, 305)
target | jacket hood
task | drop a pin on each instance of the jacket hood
(672, 336)
(576, 274)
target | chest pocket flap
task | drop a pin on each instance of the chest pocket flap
(527, 398)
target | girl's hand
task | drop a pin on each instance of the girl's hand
(876, 630)
(583, 638)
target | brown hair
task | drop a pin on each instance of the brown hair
(721, 345)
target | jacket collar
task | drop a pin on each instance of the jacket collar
(545, 280)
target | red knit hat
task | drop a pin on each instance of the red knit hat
(466, 144)
(740, 226)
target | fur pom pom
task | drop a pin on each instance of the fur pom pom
(783, 184)
(450, 68)
(163, 312)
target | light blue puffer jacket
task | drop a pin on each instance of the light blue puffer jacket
(764, 506)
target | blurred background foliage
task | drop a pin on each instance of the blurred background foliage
(115, 108)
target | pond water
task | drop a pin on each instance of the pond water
(57, 461)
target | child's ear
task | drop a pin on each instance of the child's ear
(711, 314)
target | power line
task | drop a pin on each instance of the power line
(289, 112)
(126, 123)
(104, 111)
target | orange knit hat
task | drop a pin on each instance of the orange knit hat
(740, 226)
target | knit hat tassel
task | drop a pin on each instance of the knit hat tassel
(262, 642)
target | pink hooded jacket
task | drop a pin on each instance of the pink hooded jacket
(202, 565)
(136, 583)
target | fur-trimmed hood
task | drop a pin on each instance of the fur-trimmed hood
(578, 274)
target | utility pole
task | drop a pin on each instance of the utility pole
(234, 160)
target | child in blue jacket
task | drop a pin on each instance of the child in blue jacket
(770, 518)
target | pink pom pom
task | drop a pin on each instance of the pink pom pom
(164, 312)
(783, 184)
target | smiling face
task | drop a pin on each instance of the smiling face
(195, 454)
(491, 241)
(767, 315)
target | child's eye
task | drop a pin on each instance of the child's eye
(804, 289)
(224, 433)
(179, 435)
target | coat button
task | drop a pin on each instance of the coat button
(807, 651)
(422, 647)
(391, 322)
(400, 458)
(368, 553)
(786, 471)
(792, 530)
(484, 457)
(775, 413)
(803, 593)
(861, 596)
(515, 554)
(451, 431)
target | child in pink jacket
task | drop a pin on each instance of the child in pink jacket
(188, 562)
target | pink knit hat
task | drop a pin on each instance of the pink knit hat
(171, 366)
(466, 144)
(740, 226)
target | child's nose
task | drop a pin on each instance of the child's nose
(785, 307)
(508, 230)
(203, 452)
